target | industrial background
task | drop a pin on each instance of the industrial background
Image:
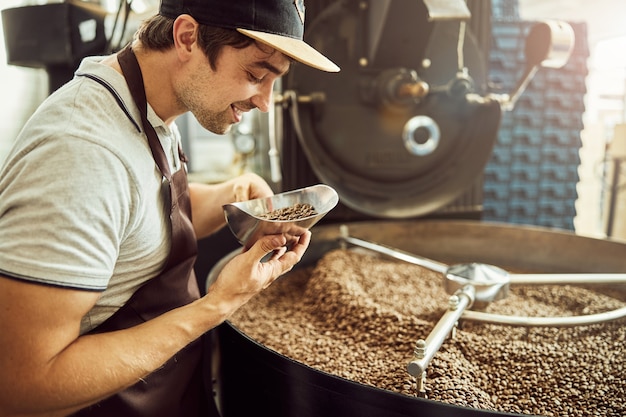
(552, 165)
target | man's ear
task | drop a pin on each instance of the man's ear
(185, 33)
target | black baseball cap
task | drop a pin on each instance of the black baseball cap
(277, 23)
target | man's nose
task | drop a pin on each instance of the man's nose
(263, 99)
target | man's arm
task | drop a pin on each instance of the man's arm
(207, 200)
(48, 368)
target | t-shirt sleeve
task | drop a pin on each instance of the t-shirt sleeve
(64, 208)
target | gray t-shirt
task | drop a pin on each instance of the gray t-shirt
(81, 200)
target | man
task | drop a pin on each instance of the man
(100, 313)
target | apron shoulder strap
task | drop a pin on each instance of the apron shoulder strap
(114, 93)
(134, 79)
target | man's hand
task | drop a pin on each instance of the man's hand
(250, 186)
(245, 275)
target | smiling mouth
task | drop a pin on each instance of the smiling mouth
(237, 113)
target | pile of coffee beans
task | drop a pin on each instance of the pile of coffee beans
(358, 316)
(294, 212)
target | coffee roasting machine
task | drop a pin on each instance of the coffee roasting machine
(403, 133)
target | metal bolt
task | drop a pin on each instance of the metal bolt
(453, 302)
(420, 349)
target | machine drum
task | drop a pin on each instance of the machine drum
(342, 329)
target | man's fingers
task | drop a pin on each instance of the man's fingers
(267, 244)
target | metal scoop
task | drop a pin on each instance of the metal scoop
(246, 222)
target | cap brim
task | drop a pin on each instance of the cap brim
(294, 48)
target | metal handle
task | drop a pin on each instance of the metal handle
(561, 279)
(394, 253)
(459, 302)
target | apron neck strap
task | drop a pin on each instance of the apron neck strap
(134, 79)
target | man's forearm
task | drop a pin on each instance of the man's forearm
(207, 200)
(206, 204)
(97, 366)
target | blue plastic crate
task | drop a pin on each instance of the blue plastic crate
(505, 136)
(556, 208)
(526, 154)
(568, 79)
(564, 100)
(508, 43)
(495, 211)
(506, 125)
(577, 64)
(563, 119)
(501, 156)
(528, 117)
(525, 135)
(524, 191)
(505, 9)
(558, 190)
(553, 135)
(558, 173)
(525, 173)
(497, 173)
(522, 208)
(496, 192)
(522, 220)
(556, 222)
(560, 155)
(531, 98)
(508, 28)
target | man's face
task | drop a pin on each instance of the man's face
(243, 80)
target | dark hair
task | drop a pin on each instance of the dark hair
(156, 34)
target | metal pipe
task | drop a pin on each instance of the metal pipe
(274, 153)
(563, 279)
(394, 253)
(613, 199)
(568, 321)
(460, 301)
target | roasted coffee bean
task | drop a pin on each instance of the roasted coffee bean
(295, 212)
(358, 316)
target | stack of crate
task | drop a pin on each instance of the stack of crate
(532, 174)
(505, 9)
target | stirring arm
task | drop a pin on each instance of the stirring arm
(564, 279)
(394, 253)
(425, 351)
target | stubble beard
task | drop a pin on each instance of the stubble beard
(191, 99)
(217, 123)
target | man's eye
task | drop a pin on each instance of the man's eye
(254, 79)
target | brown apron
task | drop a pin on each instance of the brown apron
(177, 388)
